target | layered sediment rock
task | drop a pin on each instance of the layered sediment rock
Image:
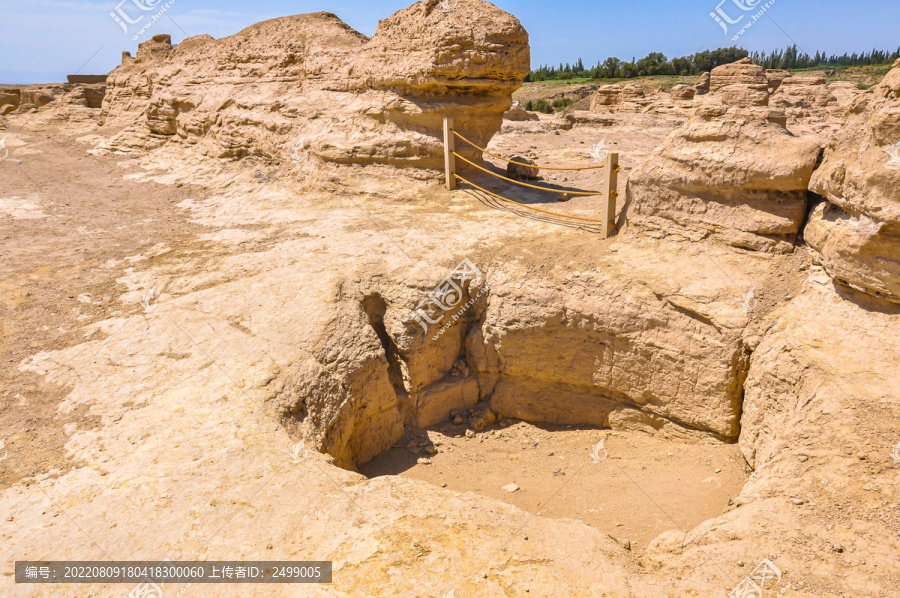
(628, 97)
(745, 96)
(741, 72)
(805, 97)
(561, 355)
(730, 173)
(86, 79)
(703, 84)
(10, 98)
(682, 92)
(310, 87)
(775, 78)
(844, 91)
(740, 83)
(857, 229)
(818, 426)
(41, 95)
(556, 353)
(55, 102)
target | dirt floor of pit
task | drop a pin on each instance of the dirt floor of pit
(633, 487)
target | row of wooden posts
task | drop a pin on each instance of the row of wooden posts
(610, 178)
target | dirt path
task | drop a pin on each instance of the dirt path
(68, 221)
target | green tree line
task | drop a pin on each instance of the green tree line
(657, 63)
(790, 58)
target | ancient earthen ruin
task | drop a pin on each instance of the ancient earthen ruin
(244, 309)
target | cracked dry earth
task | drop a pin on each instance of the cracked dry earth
(166, 429)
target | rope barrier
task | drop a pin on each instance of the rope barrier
(515, 182)
(520, 163)
(500, 197)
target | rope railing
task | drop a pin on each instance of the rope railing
(499, 176)
(523, 164)
(611, 173)
(500, 197)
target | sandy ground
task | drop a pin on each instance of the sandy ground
(71, 225)
(634, 488)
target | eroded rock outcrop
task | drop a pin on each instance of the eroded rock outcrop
(775, 78)
(10, 98)
(518, 113)
(741, 72)
(745, 96)
(818, 427)
(682, 91)
(627, 97)
(571, 348)
(562, 355)
(844, 91)
(857, 229)
(805, 97)
(730, 173)
(740, 83)
(31, 97)
(310, 87)
(703, 84)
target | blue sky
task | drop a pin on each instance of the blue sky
(43, 40)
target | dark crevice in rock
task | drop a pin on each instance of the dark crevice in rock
(694, 315)
(375, 307)
(819, 159)
(813, 200)
(742, 370)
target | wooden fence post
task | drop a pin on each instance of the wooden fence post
(612, 181)
(449, 158)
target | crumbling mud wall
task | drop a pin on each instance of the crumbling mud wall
(308, 87)
(620, 348)
(856, 229)
(733, 174)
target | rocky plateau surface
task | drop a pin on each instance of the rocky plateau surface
(335, 297)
